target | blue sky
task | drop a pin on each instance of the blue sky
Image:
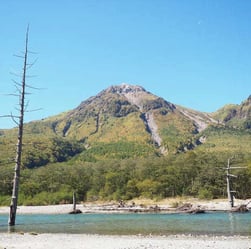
(192, 53)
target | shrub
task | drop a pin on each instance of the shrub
(205, 194)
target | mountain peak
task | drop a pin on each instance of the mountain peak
(249, 99)
(125, 88)
(135, 94)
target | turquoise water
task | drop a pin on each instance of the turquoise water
(128, 224)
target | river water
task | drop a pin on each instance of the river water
(132, 224)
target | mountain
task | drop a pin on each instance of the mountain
(127, 121)
(237, 116)
(128, 113)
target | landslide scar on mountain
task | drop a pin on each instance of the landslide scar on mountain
(53, 127)
(97, 124)
(151, 127)
(66, 128)
(143, 117)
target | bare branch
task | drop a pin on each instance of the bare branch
(32, 52)
(18, 90)
(35, 110)
(11, 94)
(15, 74)
(31, 76)
(35, 88)
(26, 105)
(32, 64)
(17, 109)
(19, 56)
(8, 116)
(13, 119)
(238, 167)
(17, 83)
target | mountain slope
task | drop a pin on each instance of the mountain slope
(127, 113)
(238, 116)
(126, 121)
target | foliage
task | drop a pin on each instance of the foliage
(117, 150)
(194, 174)
(205, 193)
(56, 149)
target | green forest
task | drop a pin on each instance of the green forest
(51, 173)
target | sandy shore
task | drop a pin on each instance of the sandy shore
(72, 241)
(142, 205)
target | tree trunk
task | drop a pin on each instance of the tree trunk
(74, 202)
(14, 198)
(229, 192)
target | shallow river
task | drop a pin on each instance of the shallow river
(127, 224)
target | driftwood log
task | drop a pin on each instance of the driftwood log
(196, 211)
(241, 208)
(189, 209)
(185, 207)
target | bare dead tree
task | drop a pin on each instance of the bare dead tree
(230, 191)
(21, 88)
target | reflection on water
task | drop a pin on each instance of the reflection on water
(159, 224)
(232, 222)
